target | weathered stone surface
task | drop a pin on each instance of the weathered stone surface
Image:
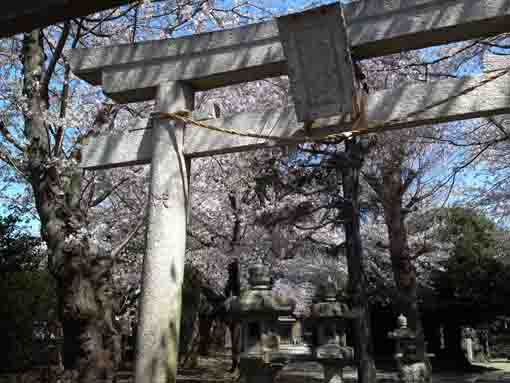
(379, 28)
(402, 333)
(336, 353)
(163, 264)
(218, 69)
(133, 147)
(322, 87)
(406, 106)
(322, 310)
(414, 373)
(302, 372)
(375, 28)
(259, 301)
(330, 318)
(89, 62)
(413, 365)
(262, 301)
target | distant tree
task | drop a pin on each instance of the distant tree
(27, 295)
(473, 284)
(19, 250)
(473, 277)
(27, 302)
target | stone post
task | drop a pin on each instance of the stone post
(469, 347)
(297, 332)
(163, 264)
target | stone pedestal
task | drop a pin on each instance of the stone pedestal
(416, 372)
(412, 363)
(332, 374)
(256, 370)
(301, 372)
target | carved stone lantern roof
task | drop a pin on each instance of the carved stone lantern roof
(408, 351)
(327, 306)
(259, 299)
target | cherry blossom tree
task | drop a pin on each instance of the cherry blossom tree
(45, 116)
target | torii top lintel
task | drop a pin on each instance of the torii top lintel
(132, 72)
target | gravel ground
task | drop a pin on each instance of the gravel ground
(215, 370)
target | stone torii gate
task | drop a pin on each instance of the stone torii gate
(170, 71)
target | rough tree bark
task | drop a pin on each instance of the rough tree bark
(354, 253)
(197, 321)
(390, 187)
(404, 272)
(82, 270)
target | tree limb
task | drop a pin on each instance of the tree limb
(9, 137)
(107, 193)
(5, 157)
(124, 243)
(57, 53)
(374, 183)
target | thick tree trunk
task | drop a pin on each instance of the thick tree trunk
(193, 304)
(404, 272)
(233, 289)
(85, 307)
(354, 252)
(82, 271)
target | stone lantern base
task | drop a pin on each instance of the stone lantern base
(256, 370)
(417, 372)
(301, 372)
(310, 372)
(333, 373)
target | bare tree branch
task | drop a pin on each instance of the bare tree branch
(6, 157)
(107, 193)
(57, 53)
(9, 137)
(129, 237)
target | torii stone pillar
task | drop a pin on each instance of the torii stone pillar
(163, 264)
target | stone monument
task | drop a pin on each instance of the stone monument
(412, 362)
(331, 318)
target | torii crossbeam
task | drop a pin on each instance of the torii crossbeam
(170, 71)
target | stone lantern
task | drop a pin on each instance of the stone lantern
(412, 362)
(259, 309)
(331, 319)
